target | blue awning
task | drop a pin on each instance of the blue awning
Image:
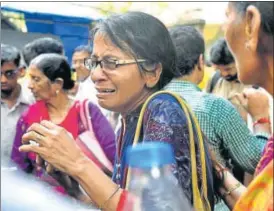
(72, 31)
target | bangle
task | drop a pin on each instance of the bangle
(232, 189)
(102, 207)
(263, 120)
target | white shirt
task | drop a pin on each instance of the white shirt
(9, 119)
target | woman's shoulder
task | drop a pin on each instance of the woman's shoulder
(165, 106)
(30, 115)
(164, 101)
(34, 111)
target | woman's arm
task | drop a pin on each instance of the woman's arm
(58, 148)
(97, 185)
(231, 189)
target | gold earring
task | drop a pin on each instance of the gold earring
(149, 86)
(57, 92)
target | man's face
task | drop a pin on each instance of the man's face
(78, 64)
(228, 72)
(9, 75)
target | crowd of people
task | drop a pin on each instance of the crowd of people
(73, 134)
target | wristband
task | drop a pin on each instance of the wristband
(263, 120)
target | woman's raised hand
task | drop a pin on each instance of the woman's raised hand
(55, 145)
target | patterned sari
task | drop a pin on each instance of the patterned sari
(164, 121)
(259, 194)
(267, 156)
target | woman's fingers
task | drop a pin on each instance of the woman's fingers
(30, 148)
(32, 136)
(39, 128)
(49, 169)
(56, 146)
(39, 162)
(49, 125)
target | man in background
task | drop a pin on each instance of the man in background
(224, 82)
(14, 99)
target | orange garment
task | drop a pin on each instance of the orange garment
(259, 194)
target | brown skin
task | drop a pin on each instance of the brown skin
(251, 48)
(59, 149)
(227, 71)
(129, 84)
(78, 65)
(246, 40)
(56, 99)
(10, 85)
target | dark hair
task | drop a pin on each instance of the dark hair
(41, 46)
(144, 37)
(266, 10)
(220, 53)
(83, 48)
(10, 53)
(54, 66)
(189, 44)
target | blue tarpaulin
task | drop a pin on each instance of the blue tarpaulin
(73, 31)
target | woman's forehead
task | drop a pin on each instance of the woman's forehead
(102, 45)
(33, 70)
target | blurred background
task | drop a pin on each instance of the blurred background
(70, 22)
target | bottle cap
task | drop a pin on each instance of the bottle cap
(150, 154)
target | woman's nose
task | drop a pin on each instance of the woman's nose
(30, 85)
(97, 74)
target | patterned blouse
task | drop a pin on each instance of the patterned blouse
(164, 120)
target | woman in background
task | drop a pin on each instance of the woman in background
(249, 31)
(50, 80)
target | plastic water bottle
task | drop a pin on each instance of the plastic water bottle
(152, 182)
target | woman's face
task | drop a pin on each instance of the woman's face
(121, 89)
(239, 42)
(40, 85)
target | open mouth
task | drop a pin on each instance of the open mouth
(106, 91)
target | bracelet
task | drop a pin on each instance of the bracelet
(102, 207)
(263, 120)
(232, 189)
